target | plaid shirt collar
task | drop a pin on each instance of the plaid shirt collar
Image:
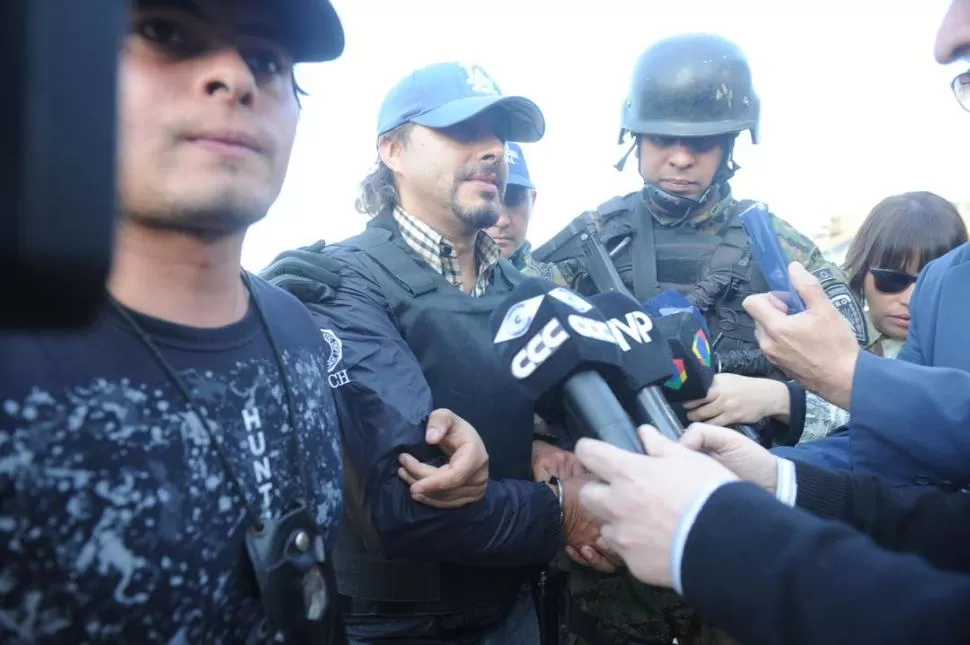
(440, 254)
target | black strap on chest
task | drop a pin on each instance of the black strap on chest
(734, 252)
(645, 284)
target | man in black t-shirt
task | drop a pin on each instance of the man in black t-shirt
(138, 457)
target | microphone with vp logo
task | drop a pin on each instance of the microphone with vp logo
(646, 360)
(556, 345)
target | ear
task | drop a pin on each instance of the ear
(391, 150)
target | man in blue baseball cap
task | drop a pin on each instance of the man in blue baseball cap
(512, 227)
(409, 302)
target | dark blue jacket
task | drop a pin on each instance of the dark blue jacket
(911, 416)
(770, 574)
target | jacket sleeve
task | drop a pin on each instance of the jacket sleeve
(915, 520)
(384, 402)
(771, 574)
(932, 440)
(832, 452)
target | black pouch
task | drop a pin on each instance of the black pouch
(296, 580)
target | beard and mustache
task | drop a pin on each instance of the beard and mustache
(484, 215)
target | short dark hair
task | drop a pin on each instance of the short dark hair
(903, 230)
(378, 193)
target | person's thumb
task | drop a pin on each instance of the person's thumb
(807, 285)
(654, 443)
(440, 423)
(708, 439)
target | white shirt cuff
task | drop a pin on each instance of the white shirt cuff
(684, 526)
(787, 488)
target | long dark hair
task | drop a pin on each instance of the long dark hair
(378, 194)
(903, 231)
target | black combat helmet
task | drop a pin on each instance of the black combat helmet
(692, 85)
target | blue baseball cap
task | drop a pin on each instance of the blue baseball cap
(518, 170)
(446, 94)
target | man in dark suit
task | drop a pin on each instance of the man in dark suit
(768, 573)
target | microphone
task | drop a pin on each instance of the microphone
(646, 360)
(671, 301)
(693, 372)
(556, 344)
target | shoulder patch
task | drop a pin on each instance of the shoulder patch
(839, 295)
(825, 275)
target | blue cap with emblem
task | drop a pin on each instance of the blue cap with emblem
(446, 94)
(518, 170)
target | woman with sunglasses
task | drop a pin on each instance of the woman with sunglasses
(897, 239)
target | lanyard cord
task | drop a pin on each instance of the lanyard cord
(145, 338)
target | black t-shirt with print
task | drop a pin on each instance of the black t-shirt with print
(118, 522)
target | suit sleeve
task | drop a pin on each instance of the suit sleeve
(832, 452)
(771, 574)
(932, 440)
(911, 520)
(384, 402)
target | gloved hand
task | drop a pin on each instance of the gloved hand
(308, 274)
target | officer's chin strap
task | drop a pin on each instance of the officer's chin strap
(619, 165)
(724, 173)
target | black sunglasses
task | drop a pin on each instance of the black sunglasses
(889, 281)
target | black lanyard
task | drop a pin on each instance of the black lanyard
(254, 515)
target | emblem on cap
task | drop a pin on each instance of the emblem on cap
(511, 156)
(478, 79)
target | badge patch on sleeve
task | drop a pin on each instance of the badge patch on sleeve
(840, 296)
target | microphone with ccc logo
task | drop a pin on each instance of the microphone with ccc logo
(557, 346)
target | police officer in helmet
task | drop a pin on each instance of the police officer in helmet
(690, 97)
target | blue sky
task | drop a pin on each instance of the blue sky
(853, 106)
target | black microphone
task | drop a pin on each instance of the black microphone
(693, 372)
(647, 361)
(557, 344)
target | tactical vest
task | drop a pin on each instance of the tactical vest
(715, 272)
(448, 332)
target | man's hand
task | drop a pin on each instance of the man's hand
(737, 453)
(548, 461)
(308, 274)
(817, 347)
(740, 399)
(581, 531)
(461, 481)
(644, 497)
